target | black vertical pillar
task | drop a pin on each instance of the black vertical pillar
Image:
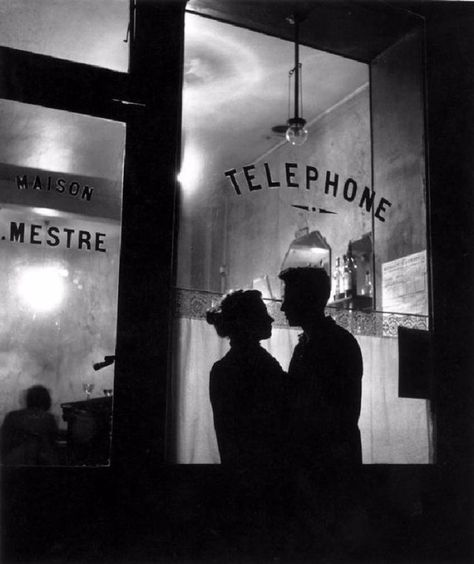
(450, 81)
(152, 150)
(450, 114)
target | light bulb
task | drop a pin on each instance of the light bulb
(296, 134)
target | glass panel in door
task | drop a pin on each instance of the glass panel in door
(83, 31)
(60, 220)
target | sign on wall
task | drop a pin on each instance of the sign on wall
(405, 284)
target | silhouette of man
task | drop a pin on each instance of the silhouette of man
(325, 375)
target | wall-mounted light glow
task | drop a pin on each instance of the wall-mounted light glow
(47, 212)
(191, 168)
(42, 288)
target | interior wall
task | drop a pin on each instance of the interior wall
(398, 152)
(202, 240)
(263, 223)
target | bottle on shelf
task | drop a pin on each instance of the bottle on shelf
(352, 270)
(336, 279)
(346, 277)
(367, 290)
(351, 276)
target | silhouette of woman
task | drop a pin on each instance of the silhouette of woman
(247, 386)
(248, 397)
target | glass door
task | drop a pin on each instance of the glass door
(61, 181)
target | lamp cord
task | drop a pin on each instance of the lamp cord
(297, 70)
(301, 88)
(289, 93)
(290, 74)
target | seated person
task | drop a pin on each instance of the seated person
(28, 435)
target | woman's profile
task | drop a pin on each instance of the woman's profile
(247, 386)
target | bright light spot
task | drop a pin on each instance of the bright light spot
(190, 172)
(47, 212)
(213, 73)
(42, 288)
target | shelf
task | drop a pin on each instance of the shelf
(363, 303)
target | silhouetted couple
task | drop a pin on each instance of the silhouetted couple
(292, 439)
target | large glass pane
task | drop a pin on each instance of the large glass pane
(60, 194)
(252, 204)
(84, 31)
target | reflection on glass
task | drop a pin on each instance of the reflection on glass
(59, 250)
(83, 31)
(50, 143)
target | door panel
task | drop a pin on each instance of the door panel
(83, 31)
(60, 226)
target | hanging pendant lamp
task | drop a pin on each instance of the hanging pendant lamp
(296, 134)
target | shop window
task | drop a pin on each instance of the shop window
(352, 198)
(60, 220)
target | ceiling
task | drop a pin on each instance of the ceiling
(358, 29)
(236, 88)
(238, 54)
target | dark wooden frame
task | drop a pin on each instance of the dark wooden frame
(113, 506)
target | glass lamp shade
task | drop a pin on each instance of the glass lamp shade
(296, 134)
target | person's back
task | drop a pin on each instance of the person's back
(325, 378)
(248, 396)
(28, 435)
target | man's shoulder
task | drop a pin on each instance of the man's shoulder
(341, 338)
(332, 327)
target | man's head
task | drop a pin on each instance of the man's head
(307, 291)
(38, 397)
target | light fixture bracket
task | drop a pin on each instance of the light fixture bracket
(298, 121)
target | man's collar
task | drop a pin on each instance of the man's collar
(316, 330)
